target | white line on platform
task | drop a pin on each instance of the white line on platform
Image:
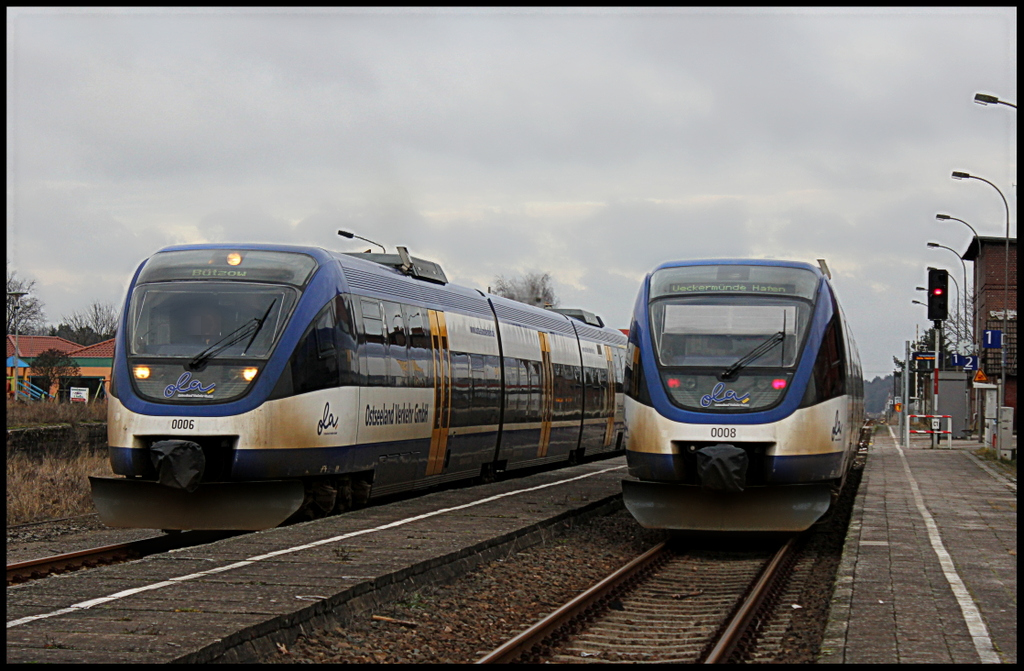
(972, 616)
(277, 553)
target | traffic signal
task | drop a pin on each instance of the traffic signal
(938, 294)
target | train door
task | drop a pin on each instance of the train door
(547, 394)
(609, 396)
(442, 376)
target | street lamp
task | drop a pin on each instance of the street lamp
(1006, 282)
(985, 99)
(18, 295)
(935, 245)
(945, 217)
(346, 234)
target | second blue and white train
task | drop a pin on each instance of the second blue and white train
(744, 397)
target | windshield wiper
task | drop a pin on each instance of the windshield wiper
(249, 329)
(756, 353)
(233, 338)
(257, 331)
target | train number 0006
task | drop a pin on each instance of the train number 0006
(723, 432)
(183, 424)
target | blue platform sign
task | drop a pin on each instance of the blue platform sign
(992, 340)
(970, 363)
(956, 360)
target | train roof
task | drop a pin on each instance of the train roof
(742, 262)
(382, 274)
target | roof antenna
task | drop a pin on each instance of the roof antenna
(824, 268)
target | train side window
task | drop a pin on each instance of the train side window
(420, 355)
(374, 354)
(462, 389)
(395, 324)
(533, 389)
(398, 355)
(511, 390)
(373, 321)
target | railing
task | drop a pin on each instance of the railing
(936, 426)
(27, 390)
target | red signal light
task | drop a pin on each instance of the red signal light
(937, 291)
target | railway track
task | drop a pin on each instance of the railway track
(108, 554)
(662, 607)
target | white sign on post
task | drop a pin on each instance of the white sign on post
(80, 394)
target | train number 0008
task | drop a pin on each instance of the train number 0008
(183, 424)
(723, 432)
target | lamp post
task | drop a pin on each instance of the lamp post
(986, 99)
(963, 294)
(346, 234)
(1006, 281)
(18, 295)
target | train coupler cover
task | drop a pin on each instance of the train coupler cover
(659, 505)
(227, 506)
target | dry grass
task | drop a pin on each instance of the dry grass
(51, 487)
(39, 413)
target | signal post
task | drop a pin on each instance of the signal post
(938, 311)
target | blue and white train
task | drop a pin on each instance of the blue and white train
(256, 383)
(744, 397)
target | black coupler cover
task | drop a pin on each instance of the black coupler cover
(722, 468)
(179, 463)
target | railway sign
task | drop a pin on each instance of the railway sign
(980, 376)
(956, 360)
(992, 340)
(970, 363)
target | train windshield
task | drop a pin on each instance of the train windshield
(202, 323)
(728, 338)
(184, 319)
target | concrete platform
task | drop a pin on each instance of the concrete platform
(929, 569)
(233, 600)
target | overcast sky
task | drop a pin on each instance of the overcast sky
(591, 144)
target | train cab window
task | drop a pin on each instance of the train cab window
(345, 337)
(314, 364)
(828, 377)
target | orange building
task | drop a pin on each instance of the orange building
(94, 362)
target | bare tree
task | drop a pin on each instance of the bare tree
(532, 288)
(99, 320)
(26, 315)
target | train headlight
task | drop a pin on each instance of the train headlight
(249, 373)
(142, 372)
(234, 258)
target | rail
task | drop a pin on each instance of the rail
(720, 646)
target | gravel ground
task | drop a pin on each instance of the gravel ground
(461, 621)
(77, 533)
